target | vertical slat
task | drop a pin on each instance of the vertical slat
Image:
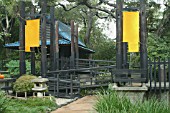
(43, 41)
(58, 83)
(169, 72)
(143, 40)
(125, 55)
(164, 74)
(71, 85)
(150, 74)
(79, 87)
(155, 74)
(159, 75)
(22, 39)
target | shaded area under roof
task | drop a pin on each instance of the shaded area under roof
(64, 32)
(16, 45)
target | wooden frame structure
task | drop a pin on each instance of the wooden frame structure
(72, 75)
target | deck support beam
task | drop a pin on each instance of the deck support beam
(22, 64)
(52, 40)
(72, 58)
(43, 41)
(119, 29)
(143, 39)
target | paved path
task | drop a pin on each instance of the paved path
(83, 105)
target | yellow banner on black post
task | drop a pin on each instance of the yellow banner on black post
(131, 30)
(32, 34)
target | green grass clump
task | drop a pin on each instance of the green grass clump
(111, 102)
(30, 105)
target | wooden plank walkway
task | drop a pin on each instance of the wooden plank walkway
(82, 105)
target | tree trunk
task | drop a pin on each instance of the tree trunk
(89, 28)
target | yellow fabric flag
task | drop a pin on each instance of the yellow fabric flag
(27, 49)
(131, 27)
(133, 47)
(32, 34)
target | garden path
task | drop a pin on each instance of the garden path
(82, 105)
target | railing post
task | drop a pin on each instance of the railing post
(155, 75)
(159, 74)
(169, 72)
(150, 74)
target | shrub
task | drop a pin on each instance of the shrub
(30, 105)
(24, 84)
(111, 102)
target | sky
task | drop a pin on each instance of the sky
(110, 30)
(110, 26)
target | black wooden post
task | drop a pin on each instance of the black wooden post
(43, 41)
(57, 46)
(143, 39)
(32, 48)
(76, 45)
(125, 54)
(72, 45)
(52, 40)
(22, 39)
(119, 6)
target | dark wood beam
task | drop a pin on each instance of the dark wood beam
(43, 40)
(119, 29)
(22, 39)
(52, 40)
(143, 37)
(32, 48)
(57, 45)
(72, 58)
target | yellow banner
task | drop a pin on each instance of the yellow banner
(131, 27)
(32, 34)
(131, 30)
(133, 47)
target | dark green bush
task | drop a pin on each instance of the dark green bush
(24, 84)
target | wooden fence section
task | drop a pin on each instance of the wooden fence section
(87, 74)
(159, 75)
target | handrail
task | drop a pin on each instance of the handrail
(107, 61)
(82, 69)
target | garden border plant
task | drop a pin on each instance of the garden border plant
(110, 102)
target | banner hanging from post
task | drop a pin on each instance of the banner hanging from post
(32, 34)
(131, 30)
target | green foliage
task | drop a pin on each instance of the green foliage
(110, 102)
(3, 102)
(30, 105)
(13, 67)
(24, 84)
(158, 47)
